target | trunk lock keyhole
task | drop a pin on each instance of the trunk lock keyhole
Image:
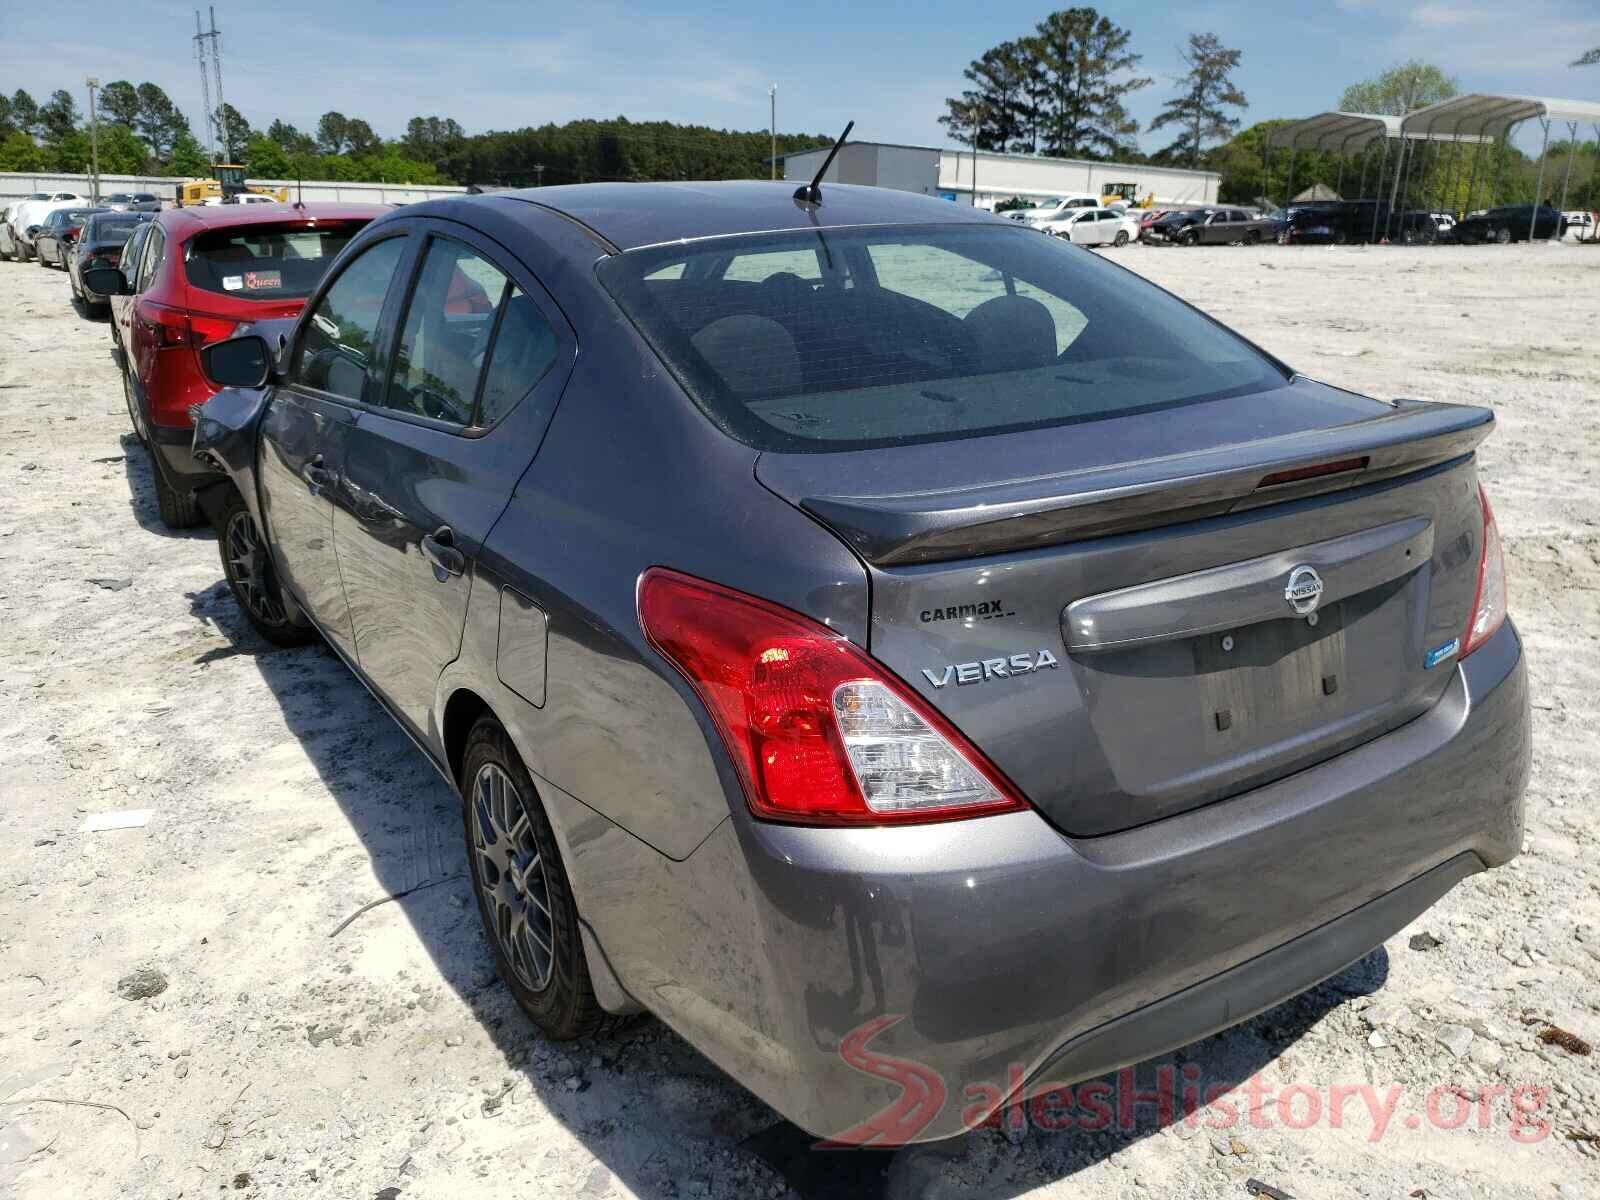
(1227, 641)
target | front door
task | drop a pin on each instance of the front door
(305, 433)
(433, 461)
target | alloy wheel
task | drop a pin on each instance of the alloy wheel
(247, 564)
(511, 877)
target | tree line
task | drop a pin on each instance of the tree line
(141, 132)
(1062, 90)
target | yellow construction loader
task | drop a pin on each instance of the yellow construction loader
(226, 185)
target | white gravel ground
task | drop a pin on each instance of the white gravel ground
(280, 1060)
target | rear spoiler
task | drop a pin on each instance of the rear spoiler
(1019, 515)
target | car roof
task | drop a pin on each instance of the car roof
(191, 219)
(630, 215)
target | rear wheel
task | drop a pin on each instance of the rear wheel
(1502, 235)
(133, 410)
(247, 566)
(179, 509)
(1122, 238)
(521, 885)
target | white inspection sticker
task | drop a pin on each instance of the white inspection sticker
(233, 283)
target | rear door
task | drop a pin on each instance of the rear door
(475, 365)
(306, 429)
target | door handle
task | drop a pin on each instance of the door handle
(439, 548)
(317, 477)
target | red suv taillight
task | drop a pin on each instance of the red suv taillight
(1489, 601)
(820, 733)
(178, 328)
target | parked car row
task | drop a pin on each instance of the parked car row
(618, 498)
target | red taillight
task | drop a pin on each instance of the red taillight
(1489, 599)
(819, 732)
(178, 328)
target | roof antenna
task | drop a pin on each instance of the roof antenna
(299, 191)
(811, 193)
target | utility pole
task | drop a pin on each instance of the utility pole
(94, 141)
(772, 101)
(208, 53)
(205, 83)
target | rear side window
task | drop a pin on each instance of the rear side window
(336, 347)
(473, 342)
(921, 334)
(265, 262)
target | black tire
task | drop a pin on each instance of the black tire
(1121, 239)
(247, 566)
(496, 790)
(1502, 236)
(1191, 238)
(133, 411)
(178, 509)
(22, 252)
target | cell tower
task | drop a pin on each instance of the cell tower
(208, 53)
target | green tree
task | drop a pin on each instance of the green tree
(359, 138)
(333, 132)
(160, 123)
(233, 132)
(1588, 59)
(1248, 179)
(186, 157)
(430, 139)
(265, 159)
(119, 103)
(1089, 68)
(19, 152)
(7, 125)
(1000, 96)
(1200, 109)
(1399, 90)
(290, 140)
(70, 153)
(121, 151)
(24, 113)
(58, 116)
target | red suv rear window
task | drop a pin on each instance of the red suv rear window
(266, 262)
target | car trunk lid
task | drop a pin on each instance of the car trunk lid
(1122, 616)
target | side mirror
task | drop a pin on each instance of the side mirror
(243, 362)
(106, 281)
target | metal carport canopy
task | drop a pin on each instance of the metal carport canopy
(1335, 130)
(1491, 116)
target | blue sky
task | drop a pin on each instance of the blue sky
(505, 65)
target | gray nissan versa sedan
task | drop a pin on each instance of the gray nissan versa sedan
(911, 657)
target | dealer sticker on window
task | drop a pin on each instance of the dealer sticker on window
(232, 283)
(255, 281)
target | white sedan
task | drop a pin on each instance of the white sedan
(32, 212)
(1094, 227)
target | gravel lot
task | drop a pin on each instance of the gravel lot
(285, 1056)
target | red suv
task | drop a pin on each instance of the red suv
(203, 274)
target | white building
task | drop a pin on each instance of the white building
(1033, 177)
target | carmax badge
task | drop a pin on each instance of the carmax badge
(989, 668)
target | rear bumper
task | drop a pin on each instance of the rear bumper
(184, 471)
(1006, 952)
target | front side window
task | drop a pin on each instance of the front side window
(921, 334)
(473, 342)
(339, 334)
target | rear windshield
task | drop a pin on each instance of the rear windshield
(116, 228)
(266, 262)
(834, 340)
